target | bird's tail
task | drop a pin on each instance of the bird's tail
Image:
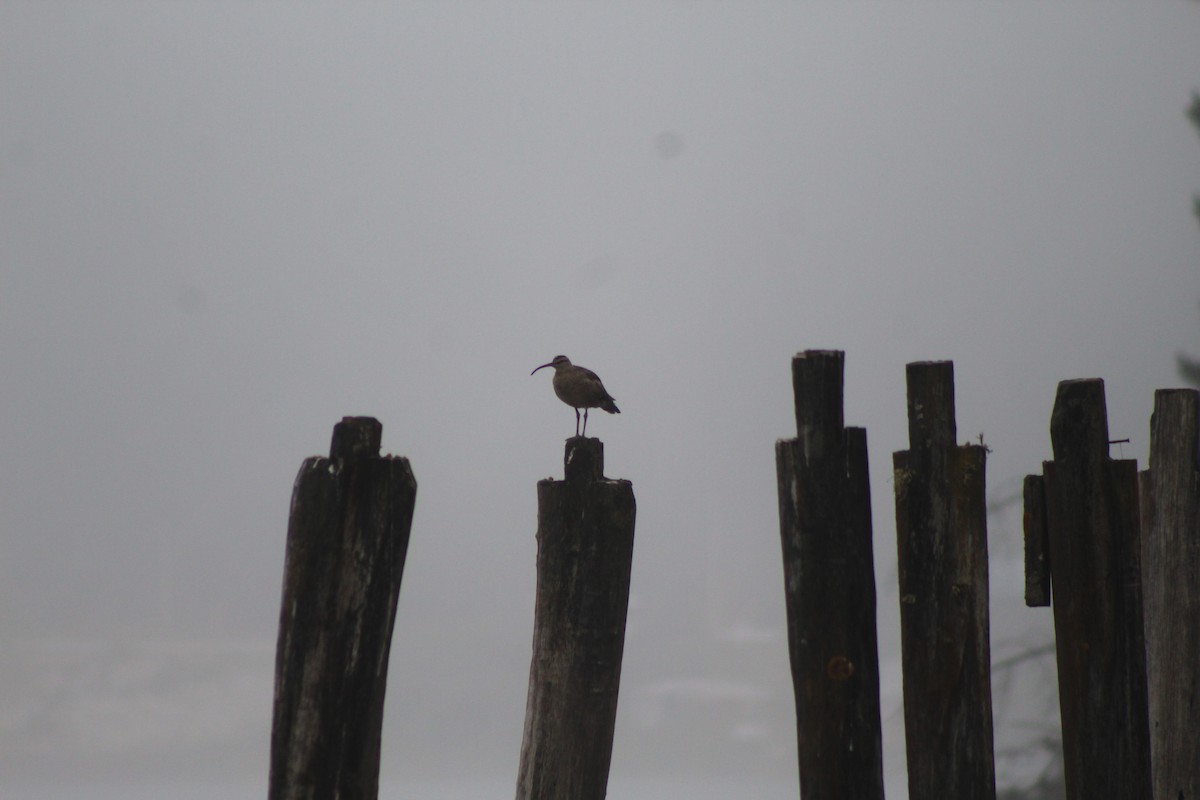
(609, 406)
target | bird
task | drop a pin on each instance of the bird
(579, 388)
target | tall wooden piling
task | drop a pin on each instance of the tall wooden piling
(829, 582)
(941, 538)
(1092, 526)
(347, 537)
(1171, 587)
(585, 552)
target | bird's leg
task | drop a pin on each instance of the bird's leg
(585, 422)
(577, 422)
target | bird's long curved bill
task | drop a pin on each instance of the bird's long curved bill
(543, 366)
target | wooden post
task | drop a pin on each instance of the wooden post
(1037, 545)
(1092, 520)
(1171, 583)
(346, 542)
(941, 537)
(585, 551)
(829, 581)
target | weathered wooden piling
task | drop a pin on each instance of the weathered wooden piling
(347, 537)
(829, 582)
(1094, 557)
(1171, 590)
(585, 552)
(941, 538)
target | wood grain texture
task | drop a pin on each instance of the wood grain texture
(941, 537)
(829, 582)
(1171, 586)
(347, 538)
(1094, 532)
(585, 553)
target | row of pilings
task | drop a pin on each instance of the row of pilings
(1114, 551)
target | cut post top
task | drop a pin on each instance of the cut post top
(931, 421)
(583, 460)
(817, 385)
(356, 437)
(1175, 428)
(1079, 422)
(820, 354)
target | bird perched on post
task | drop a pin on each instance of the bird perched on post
(579, 388)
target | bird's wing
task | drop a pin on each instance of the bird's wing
(595, 380)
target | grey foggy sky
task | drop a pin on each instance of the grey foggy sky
(225, 226)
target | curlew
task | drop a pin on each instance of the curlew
(579, 388)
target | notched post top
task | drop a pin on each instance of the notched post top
(1078, 435)
(931, 421)
(817, 383)
(583, 460)
(1079, 423)
(356, 437)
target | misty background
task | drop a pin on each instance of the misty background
(224, 226)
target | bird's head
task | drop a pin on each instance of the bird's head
(557, 363)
